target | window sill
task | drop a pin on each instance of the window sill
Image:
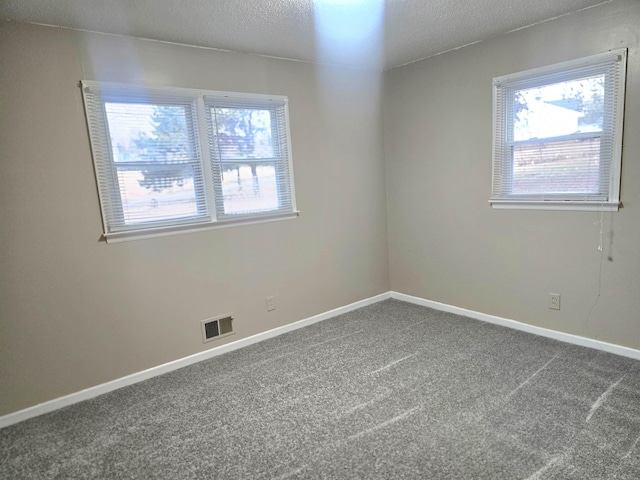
(591, 206)
(117, 237)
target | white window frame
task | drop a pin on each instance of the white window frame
(210, 211)
(613, 65)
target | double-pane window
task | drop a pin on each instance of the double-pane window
(169, 160)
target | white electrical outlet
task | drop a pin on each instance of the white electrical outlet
(554, 301)
(271, 306)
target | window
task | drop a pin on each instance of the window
(170, 160)
(558, 135)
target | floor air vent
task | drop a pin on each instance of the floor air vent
(214, 328)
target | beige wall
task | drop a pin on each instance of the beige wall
(447, 244)
(76, 312)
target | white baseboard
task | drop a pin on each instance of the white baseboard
(92, 392)
(505, 322)
(58, 403)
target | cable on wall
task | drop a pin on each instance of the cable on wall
(599, 222)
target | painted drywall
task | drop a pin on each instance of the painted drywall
(76, 312)
(448, 245)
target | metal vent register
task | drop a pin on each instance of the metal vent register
(214, 328)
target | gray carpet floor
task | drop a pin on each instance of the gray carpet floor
(389, 391)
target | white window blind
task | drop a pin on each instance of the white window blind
(558, 135)
(169, 159)
(249, 137)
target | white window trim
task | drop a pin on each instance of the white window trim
(561, 70)
(165, 231)
(211, 220)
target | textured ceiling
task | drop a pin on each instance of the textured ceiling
(365, 33)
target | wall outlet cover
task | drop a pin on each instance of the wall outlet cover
(554, 301)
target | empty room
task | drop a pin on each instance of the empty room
(304, 239)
